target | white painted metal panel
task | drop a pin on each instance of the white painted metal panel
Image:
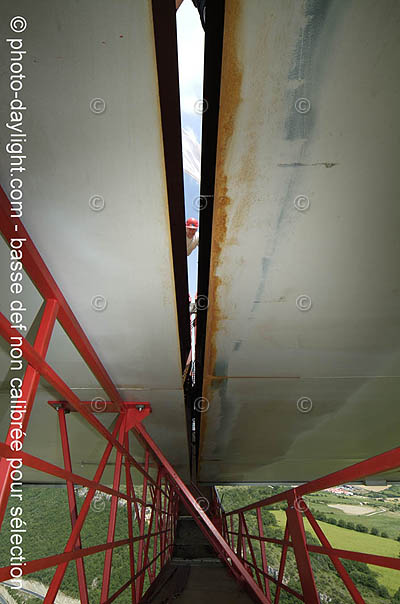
(76, 52)
(309, 107)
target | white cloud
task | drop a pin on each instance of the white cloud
(191, 153)
(190, 55)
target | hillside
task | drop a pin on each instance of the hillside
(377, 585)
(48, 528)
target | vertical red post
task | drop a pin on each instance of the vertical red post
(169, 521)
(297, 533)
(158, 527)
(164, 500)
(239, 537)
(131, 493)
(282, 565)
(174, 519)
(251, 548)
(80, 568)
(232, 539)
(342, 572)
(263, 553)
(113, 515)
(243, 540)
(225, 527)
(142, 525)
(61, 568)
(28, 392)
(147, 546)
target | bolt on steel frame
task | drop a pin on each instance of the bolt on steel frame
(160, 493)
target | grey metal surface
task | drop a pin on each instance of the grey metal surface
(309, 107)
(77, 52)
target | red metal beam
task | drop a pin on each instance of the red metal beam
(42, 278)
(384, 561)
(43, 466)
(130, 491)
(147, 544)
(34, 566)
(374, 465)
(202, 520)
(281, 585)
(142, 522)
(54, 380)
(263, 553)
(251, 548)
(60, 572)
(80, 568)
(282, 564)
(352, 589)
(28, 392)
(298, 535)
(132, 579)
(113, 516)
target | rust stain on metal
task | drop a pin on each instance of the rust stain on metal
(231, 81)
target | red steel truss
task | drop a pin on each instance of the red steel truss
(234, 529)
(162, 489)
(161, 492)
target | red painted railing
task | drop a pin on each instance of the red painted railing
(252, 549)
(155, 535)
(162, 489)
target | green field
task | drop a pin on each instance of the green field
(48, 529)
(376, 585)
(388, 521)
(360, 542)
